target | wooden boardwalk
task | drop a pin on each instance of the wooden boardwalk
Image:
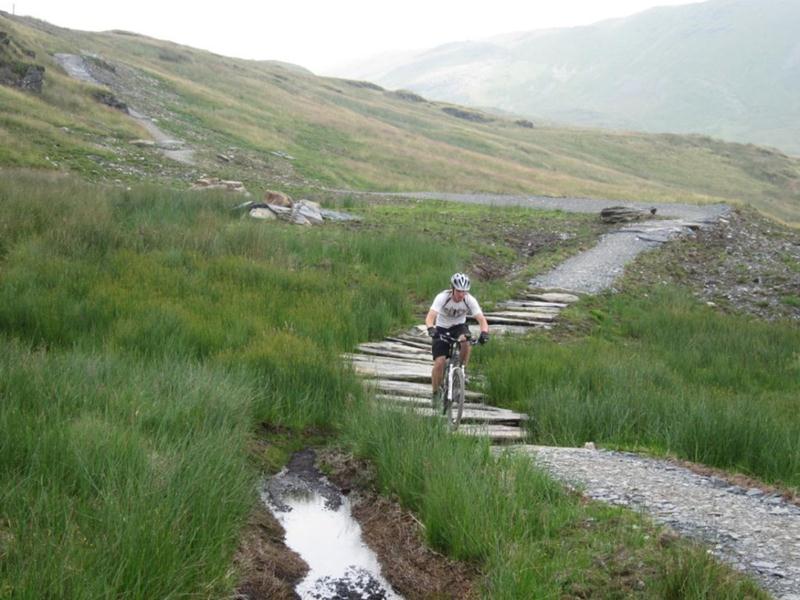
(398, 368)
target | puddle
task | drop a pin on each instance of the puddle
(321, 529)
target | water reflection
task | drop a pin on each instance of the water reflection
(327, 537)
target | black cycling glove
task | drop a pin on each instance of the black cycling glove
(432, 332)
(483, 337)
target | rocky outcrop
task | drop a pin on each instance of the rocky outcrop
(625, 214)
(406, 95)
(109, 99)
(467, 115)
(15, 68)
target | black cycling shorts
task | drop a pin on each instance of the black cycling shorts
(439, 347)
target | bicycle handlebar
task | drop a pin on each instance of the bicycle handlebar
(446, 337)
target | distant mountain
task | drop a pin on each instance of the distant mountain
(727, 68)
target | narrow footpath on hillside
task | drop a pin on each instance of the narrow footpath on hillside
(752, 530)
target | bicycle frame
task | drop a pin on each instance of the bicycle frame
(454, 369)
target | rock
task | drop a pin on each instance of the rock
(214, 183)
(467, 115)
(624, 214)
(332, 215)
(109, 99)
(277, 198)
(590, 446)
(22, 75)
(281, 211)
(33, 79)
(224, 158)
(262, 213)
(309, 210)
(524, 123)
(282, 154)
(143, 143)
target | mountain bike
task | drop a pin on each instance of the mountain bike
(453, 388)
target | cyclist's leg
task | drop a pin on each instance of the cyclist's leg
(439, 352)
(437, 373)
(460, 332)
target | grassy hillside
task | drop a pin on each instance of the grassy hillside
(344, 134)
(727, 68)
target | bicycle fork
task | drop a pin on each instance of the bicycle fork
(450, 371)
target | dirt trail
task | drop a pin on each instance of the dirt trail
(78, 68)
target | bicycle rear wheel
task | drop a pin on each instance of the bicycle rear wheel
(456, 407)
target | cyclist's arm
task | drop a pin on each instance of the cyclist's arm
(430, 320)
(484, 324)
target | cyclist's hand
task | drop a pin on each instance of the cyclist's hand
(432, 332)
(483, 337)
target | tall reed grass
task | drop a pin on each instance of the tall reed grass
(145, 334)
(531, 537)
(667, 374)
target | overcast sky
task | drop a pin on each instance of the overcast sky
(320, 35)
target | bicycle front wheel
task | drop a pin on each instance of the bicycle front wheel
(456, 408)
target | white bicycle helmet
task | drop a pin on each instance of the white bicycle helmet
(460, 282)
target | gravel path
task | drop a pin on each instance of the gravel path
(752, 531)
(596, 270)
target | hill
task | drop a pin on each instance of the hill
(272, 125)
(725, 68)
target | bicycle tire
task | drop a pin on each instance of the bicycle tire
(446, 403)
(456, 408)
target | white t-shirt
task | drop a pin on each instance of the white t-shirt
(451, 312)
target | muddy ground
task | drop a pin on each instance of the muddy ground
(270, 569)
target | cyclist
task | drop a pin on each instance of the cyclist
(448, 314)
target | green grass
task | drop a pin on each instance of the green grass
(666, 374)
(147, 334)
(533, 539)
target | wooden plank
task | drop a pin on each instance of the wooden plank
(470, 416)
(499, 329)
(425, 401)
(399, 355)
(514, 314)
(497, 412)
(393, 347)
(407, 388)
(424, 365)
(410, 342)
(394, 371)
(513, 321)
(390, 357)
(496, 433)
(552, 297)
(534, 304)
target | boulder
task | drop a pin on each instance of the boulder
(262, 213)
(143, 143)
(309, 210)
(277, 198)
